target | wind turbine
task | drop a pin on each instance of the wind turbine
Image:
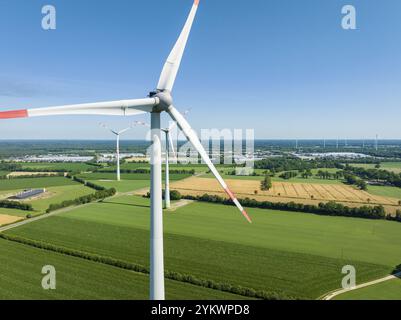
(169, 143)
(158, 101)
(118, 134)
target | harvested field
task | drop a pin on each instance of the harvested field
(306, 193)
(6, 219)
(30, 174)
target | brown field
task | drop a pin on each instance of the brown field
(22, 174)
(307, 193)
(6, 219)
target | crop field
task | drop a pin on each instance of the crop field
(385, 191)
(57, 190)
(389, 166)
(296, 254)
(21, 277)
(130, 181)
(7, 219)
(388, 290)
(283, 191)
(26, 183)
(13, 212)
(59, 194)
(72, 167)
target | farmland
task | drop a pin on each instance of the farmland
(80, 279)
(389, 166)
(27, 183)
(58, 189)
(388, 290)
(292, 253)
(309, 193)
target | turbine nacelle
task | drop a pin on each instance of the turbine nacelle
(164, 100)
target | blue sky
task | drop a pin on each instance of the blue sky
(285, 68)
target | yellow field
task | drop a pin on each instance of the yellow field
(307, 193)
(6, 219)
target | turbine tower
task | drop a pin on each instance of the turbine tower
(169, 143)
(117, 134)
(158, 101)
(377, 142)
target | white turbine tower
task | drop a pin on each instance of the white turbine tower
(157, 102)
(169, 144)
(117, 134)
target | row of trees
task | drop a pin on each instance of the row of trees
(98, 195)
(292, 163)
(16, 205)
(147, 171)
(379, 175)
(331, 208)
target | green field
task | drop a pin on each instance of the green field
(21, 278)
(123, 185)
(385, 191)
(14, 212)
(293, 253)
(60, 194)
(26, 183)
(129, 182)
(75, 167)
(389, 166)
(388, 290)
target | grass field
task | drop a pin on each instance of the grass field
(389, 166)
(59, 194)
(26, 183)
(294, 253)
(76, 278)
(389, 290)
(13, 212)
(129, 182)
(75, 167)
(385, 191)
(283, 191)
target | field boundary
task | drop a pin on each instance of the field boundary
(171, 275)
(332, 294)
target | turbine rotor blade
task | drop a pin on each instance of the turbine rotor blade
(172, 65)
(111, 108)
(172, 145)
(193, 138)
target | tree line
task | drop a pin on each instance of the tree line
(331, 208)
(100, 194)
(15, 205)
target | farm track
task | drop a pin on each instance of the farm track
(331, 295)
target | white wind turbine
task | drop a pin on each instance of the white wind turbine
(169, 144)
(158, 101)
(117, 134)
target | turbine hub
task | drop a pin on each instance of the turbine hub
(165, 100)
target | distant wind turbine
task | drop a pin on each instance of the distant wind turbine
(169, 144)
(117, 134)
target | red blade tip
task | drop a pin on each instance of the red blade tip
(196, 2)
(246, 216)
(13, 114)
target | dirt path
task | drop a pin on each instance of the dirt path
(333, 294)
(179, 204)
